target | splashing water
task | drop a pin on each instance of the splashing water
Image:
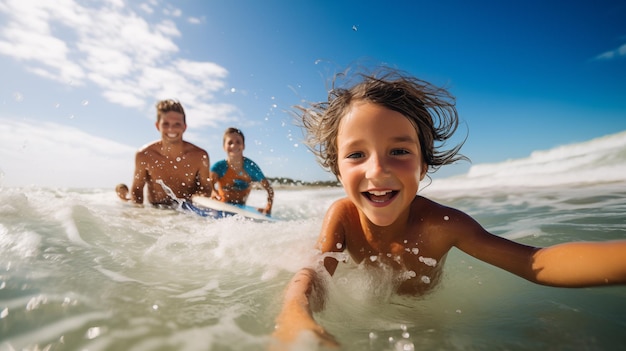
(81, 270)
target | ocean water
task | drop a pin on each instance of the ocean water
(79, 270)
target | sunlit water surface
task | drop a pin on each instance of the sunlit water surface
(81, 271)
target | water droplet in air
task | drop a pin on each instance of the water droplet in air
(84, 103)
(93, 333)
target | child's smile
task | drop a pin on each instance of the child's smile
(380, 197)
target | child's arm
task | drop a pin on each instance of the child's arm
(580, 264)
(296, 315)
(575, 264)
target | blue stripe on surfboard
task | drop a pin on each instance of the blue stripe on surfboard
(211, 207)
(205, 212)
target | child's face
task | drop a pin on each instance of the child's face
(380, 162)
(172, 126)
(233, 144)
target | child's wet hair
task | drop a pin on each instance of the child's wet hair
(430, 109)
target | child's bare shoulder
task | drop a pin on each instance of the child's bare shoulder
(342, 208)
(441, 217)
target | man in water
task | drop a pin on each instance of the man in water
(182, 166)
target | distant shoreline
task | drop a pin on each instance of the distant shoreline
(288, 183)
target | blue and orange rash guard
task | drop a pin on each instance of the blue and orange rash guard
(229, 179)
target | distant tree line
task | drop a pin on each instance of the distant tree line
(282, 181)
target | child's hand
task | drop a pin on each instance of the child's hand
(290, 333)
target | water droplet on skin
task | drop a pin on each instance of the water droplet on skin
(428, 261)
(178, 159)
(446, 218)
(339, 246)
(415, 250)
(373, 258)
(425, 279)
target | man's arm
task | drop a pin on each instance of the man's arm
(140, 178)
(205, 184)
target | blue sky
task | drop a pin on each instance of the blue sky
(80, 78)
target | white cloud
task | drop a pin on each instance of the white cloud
(133, 61)
(49, 154)
(613, 54)
(194, 20)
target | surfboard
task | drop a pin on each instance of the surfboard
(206, 203)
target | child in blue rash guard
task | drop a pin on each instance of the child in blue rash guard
(234, 175)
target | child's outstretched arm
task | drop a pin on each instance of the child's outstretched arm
(574, 264)
(305, 293)
(581, 264)
(296, 316)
